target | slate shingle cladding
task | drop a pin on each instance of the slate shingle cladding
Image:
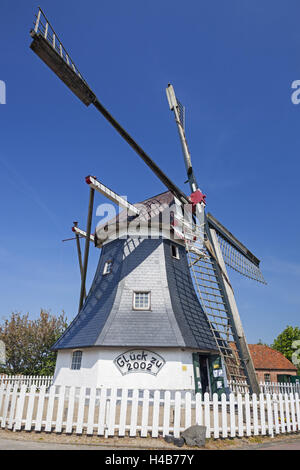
(176, 318)
(187, 309)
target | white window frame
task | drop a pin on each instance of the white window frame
(148, 307)
(74, 360)
(107, 267)
(267, 378)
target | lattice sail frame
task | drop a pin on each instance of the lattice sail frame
(207, 283)
(42, 26)
(237, 261)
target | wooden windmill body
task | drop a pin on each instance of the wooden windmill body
(161, 312)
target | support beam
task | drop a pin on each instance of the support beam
(87, 247)
(82, 233)
(79, 255)
(114, 197)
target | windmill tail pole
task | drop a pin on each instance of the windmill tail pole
(87, 247)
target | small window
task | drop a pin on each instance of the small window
(175, 251)
(141, 300)
(267, 378)
(108, 267)
(76, 360)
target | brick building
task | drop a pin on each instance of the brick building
(270, 364)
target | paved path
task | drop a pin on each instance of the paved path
(11, 444)
(15, 444)
(281, 444)
(288, 445)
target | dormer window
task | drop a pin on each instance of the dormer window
(175, 251)
(141, 300)
(107, 267)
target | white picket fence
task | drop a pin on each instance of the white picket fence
(265, 387)
(28, 380)
(235, 387)
(110, 412)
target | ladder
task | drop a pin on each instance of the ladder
(211, 297)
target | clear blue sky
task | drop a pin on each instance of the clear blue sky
(232, 64)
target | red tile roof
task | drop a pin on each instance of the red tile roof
(265, 357)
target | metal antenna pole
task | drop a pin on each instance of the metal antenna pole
(87, 247)
(79, 254)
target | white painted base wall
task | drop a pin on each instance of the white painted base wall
(99, 370)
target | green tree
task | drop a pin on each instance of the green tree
(284, 341)
(28, 342)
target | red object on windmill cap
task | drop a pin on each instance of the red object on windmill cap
(87, 179)
(197, 197)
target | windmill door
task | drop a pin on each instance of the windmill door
(209, 373)
(201, 373)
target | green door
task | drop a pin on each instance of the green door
(197, 375)
(217, 375)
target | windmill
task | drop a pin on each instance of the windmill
(204, 247)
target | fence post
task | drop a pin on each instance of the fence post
(12, 407)
(60, 409)
(276, 416)
(145, 413)
(199, 409)
(112, 413)
(262, 414)
(155, 420)
(177, 414)
(270, 415)
(20, 406)
(287, 412)
(255, 414)
(207, 414)
(91, 413)
(166, 423)
(40, 408)
(102, 412)
(123, 413)
(292, 402)
(188, 410)
(297, 410)
(232, 415)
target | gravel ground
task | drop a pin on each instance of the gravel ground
(45, 441)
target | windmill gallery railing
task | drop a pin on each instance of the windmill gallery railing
(112, 412)
(44, 28)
